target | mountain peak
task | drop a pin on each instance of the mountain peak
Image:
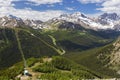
(74, 15)
(11, 21)
(13, 17)
(78, 14)
(111, 16)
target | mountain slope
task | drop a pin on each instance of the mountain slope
(51, 68)
(105, 21)
(77, 40)
(11, 21)
(71, 35)
(110, 55)
(30, 45)
(105, 60)
(38, 43)
(89, 59)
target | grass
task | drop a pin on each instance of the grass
(49, 70)
(77, 39)
(62, 68)
(89, 59)
(36, 43)
(20, 48)
(22, 42)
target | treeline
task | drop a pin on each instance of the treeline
(61, 68)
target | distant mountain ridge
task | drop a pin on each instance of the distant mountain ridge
(13, 21)
(103, 22)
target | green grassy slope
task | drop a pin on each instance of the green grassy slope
(58, 68)
(38, 43)
(77, 40)
(10, 51)
(90, 60)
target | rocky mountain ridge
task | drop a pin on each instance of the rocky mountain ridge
(103, 22)
(13, 21)
(110, 55)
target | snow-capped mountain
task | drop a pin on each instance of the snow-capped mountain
(36, 24)
(109, 16)
(104, 21)
(13, 21)
(13, 17)
(10, 21)
(76, 18)
(111, 20)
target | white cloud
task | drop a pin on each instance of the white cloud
(91, 1)
(39, 2)
(111, 3)
(31, 14)
(95, 14)
(69, 8)
(7, 3)
(105, 5)
(7, 7)
(51, 5)
(110, 6)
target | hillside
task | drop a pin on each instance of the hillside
(78, 40)
(22, 43)
(51, 68)
(104, 60)
(16, 41)
(110, 55)
(38, 43)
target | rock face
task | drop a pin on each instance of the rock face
(11, 21)
(110, 16)
(36, 24)
(105, 21)
(111, 20)
(115, 56)
(110, 55)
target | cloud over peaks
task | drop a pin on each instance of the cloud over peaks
(110, 6)
(39, 2)
(7, 7)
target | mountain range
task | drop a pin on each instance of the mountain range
(92, 45)
(105, 21)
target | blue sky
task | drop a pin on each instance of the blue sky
(69, 6)
(47, 9)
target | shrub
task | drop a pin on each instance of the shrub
(62, 63)
(45, 68)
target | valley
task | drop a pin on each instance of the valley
(58, 49)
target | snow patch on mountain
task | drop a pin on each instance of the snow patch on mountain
(13, 21)
(105, 21)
